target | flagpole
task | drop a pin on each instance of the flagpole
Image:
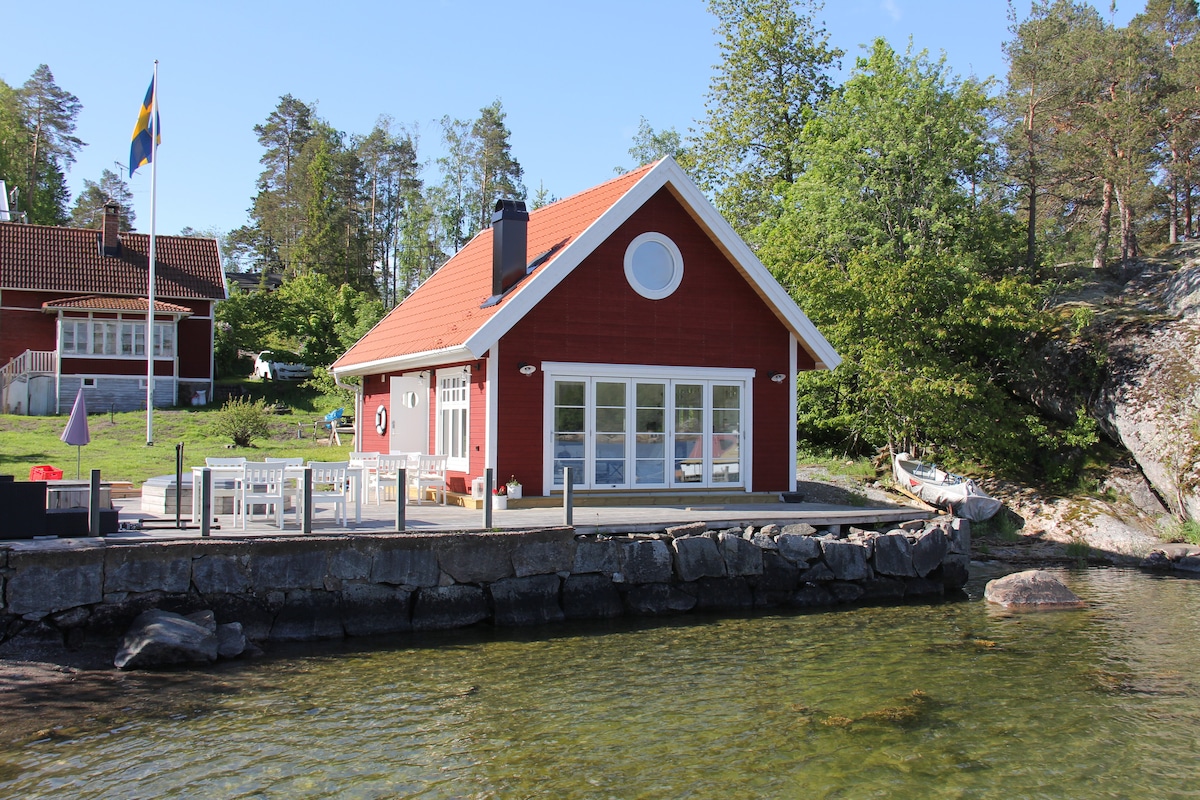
(151, 279)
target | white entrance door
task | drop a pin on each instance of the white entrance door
(408, 424)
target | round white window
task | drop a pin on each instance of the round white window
(653, 266)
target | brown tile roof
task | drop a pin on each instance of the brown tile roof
(99, 303)
(42, 258)
(445, 310)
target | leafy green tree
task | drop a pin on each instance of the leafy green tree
(773, 71)
(453, 197)
(89, 205)
(890, 162)
(309, 315)
(420, 249)
(650, 145)
(12, 136)
(48, 115)
(477, 169)
(886, 245)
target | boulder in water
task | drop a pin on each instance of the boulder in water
(158, 638)
(1033, 588)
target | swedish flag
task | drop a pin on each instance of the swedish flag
(141, 149)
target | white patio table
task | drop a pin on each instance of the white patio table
(234, 474)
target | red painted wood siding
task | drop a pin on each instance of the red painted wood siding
(33, 329)
(22, 330)
(376, 392)
(714, 319)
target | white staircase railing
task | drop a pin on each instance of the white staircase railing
(29, 362)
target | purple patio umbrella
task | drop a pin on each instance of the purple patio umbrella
(76, 432)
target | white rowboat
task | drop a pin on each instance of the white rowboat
(958, 495)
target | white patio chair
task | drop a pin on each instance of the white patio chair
(331, 486)
(225, 482)
(292, 485)
(262, 485)
(369, 464)
(386, 471)
(429, 474)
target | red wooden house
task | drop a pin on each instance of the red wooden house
(73, 308)
(626, 332)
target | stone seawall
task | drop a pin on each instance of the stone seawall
(322, 587)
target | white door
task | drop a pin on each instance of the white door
(408, 424)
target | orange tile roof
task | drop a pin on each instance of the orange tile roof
(43, 258)
(99, 303)
(445, 310)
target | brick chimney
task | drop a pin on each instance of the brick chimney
(110, 239)
(510, 226)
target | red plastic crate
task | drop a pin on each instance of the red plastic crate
(45, 472)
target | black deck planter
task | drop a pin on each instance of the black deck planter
(73, 522)
(22, 508)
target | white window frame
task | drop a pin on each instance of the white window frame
(91, 336)
(454, 417)
(654, 292)
(638, 373)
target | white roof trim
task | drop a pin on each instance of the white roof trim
(665, 172)
(422, 360)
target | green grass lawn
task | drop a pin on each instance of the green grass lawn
(118, 447)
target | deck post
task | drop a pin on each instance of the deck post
(401, 496)
(205, 490)
(568, 496)
(306, 499)
(94, 505)
(487, 499)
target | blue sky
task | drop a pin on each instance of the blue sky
(574, 78)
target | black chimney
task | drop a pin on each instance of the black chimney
(510, 226)
(110, 239)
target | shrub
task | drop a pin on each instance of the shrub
(243, 420)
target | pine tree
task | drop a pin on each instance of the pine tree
(48, 116)
(497, 175)
(89, 205)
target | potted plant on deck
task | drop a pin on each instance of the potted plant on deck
(514, 488)
(499, 498)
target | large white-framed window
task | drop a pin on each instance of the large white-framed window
(91, 336)
(646, 427)
(454, 417)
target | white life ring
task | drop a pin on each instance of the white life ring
(381, 420)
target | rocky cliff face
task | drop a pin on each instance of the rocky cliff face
(1150, 399)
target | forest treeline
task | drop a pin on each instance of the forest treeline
(922, 219)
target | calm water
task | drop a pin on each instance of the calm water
(952, 700)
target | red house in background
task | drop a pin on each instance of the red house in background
(73, 313)
(626, 332)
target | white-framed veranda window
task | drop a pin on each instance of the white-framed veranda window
(635, 427)
(88, 336)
